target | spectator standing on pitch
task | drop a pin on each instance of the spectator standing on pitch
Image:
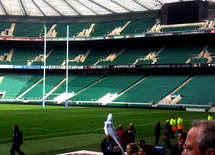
(17, 140)
(130, 134)
(157, 133)
(168, 130)
(173, 122)
(121, 135)
(180, 123)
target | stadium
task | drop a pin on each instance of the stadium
(134, 57)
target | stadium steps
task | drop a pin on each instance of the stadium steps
(198, 91)
(52, 32)
(10, 55)
(110, 84)
(62, 88)
(89, 86)
(199, 55)
(212, 109)
(131, 86)
(1, 78)
(110, 57)
(114, 96)
(168, 98)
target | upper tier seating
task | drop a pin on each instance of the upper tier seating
(158, 27)
(93, 29)
(179, 53)
(139, 26)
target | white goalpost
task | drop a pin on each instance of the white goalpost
(67, 61)
(44, 69)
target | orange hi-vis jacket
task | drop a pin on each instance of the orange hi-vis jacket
(180, 122)
(174, 124)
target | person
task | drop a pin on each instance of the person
(121, 135)
(210, 117)
(174, 126)
(144, 149)
(141, 143)
(74, 103)
(180, 123)
(200, 138)
(17, 141)
(181, 136)
(148, 149)
(157, 133)
(179, 149)
(109, 146)
(132, 149)
(168, 130)
(155, 152)
(141, 151)
(130, 134)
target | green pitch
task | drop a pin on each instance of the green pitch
(58, 130)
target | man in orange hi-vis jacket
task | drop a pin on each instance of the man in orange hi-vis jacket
(180, 123)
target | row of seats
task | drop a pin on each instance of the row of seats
(81, 29)
(92, 29)
(118, 55)
(125, 89)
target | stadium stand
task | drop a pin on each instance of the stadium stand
(134, 60)
(149, 90)
(109, 84)
(10, 80)
(35, 92)
(192, 92)
(179, 54)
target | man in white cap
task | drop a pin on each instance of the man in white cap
(168, 129)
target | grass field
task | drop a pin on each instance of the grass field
(57, 130)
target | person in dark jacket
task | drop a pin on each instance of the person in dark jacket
(179, 149)
(17, 140)
(109, 146)
(168, 130)
(157, 133)
(130, 134)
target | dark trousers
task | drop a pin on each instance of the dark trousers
(173, 134)
(157, 137)
(16, 148)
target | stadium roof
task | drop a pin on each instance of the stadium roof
(50, 8)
